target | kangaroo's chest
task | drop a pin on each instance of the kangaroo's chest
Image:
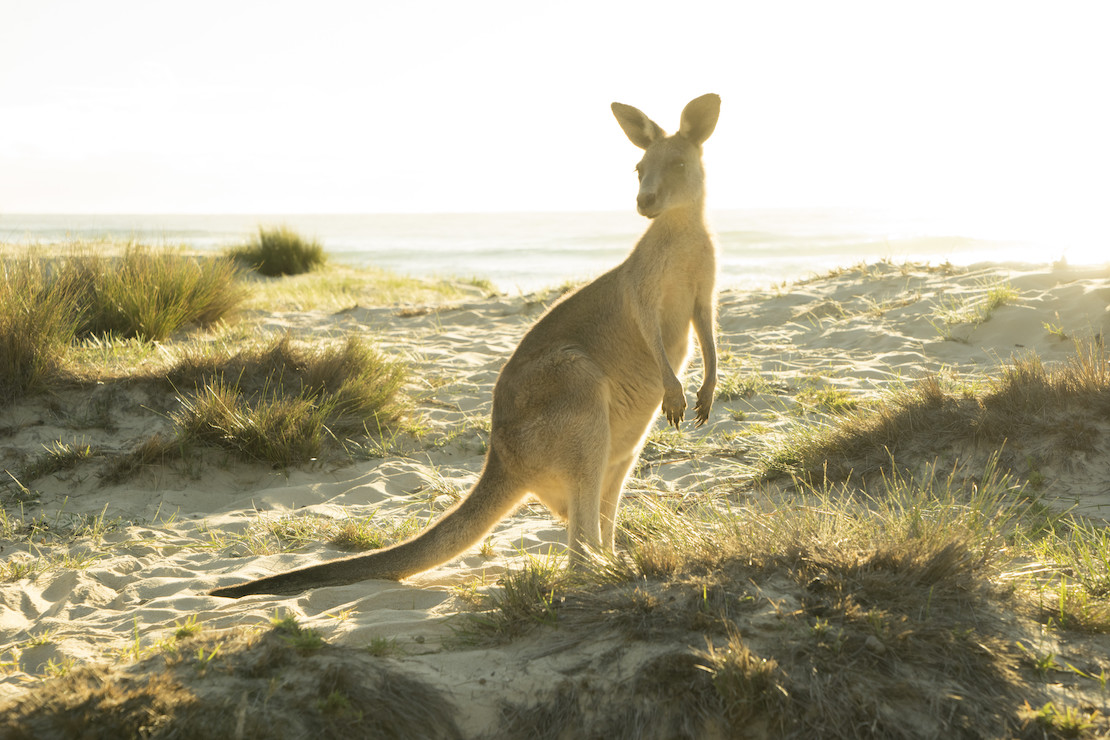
(675, 316)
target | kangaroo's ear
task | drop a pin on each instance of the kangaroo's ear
(699, 118)
(640, 129)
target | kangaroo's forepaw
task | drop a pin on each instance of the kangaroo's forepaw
(703, 406)
(674, 414)
(674, 406)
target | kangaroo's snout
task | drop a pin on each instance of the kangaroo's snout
(645, 204)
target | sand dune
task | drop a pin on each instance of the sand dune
(178, 530)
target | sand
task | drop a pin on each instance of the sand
(859, 330)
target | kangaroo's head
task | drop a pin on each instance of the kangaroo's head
(671, 174)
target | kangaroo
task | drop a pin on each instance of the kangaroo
(573, 405)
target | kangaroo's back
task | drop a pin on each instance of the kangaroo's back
(573, 404)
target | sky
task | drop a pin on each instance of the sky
(972, 108)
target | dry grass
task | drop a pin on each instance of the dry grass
(241, 686)
(1027, 402)
(282, 403)
(825, 615)
(79, 320)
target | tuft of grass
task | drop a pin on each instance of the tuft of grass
(56, 458)
(302, 639)
(972, 309)
(526, 597)
(283, 403)
(381, 647)
(998, 294)
(748, 685)
(736, 386)
(158, 449)
(38, 322)
(1025, 401)
(48, 303)
(337, 287)
(18, 568)
(483, 284)
(273, 428)
(150, 293)
(1052, 721)
(280, 251)
(189, 628)
(367, 534)
(172, 693)
(826, 399)
(293, 532)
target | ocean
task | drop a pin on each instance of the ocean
(528, 251)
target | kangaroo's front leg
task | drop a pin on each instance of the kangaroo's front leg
(674, 396)
(705, 327)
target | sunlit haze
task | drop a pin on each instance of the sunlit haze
(970, 112)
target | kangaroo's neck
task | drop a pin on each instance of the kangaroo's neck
(681, 222)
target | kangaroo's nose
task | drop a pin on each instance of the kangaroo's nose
(645, 200)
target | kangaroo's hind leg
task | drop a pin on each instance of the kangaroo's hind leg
(571, 487)
(582, 481)
(557, 429)
(611, 488)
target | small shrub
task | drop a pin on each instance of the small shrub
(280, 251)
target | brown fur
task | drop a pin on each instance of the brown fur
(573, 405)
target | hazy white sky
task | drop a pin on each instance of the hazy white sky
(123, 106)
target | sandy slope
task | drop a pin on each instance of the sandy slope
(859, 330)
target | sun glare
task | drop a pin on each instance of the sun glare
(980, 113)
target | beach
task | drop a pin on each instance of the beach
(168, 536)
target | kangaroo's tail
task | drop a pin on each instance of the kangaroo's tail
(460, 527)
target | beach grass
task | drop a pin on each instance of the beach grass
(39, 319)
(885, 567)
(179, 687)
(149, 293)
(279, 402)
(823, 611)
(1026, 402)
(49, 303)
(278, 251)
(106, 314)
